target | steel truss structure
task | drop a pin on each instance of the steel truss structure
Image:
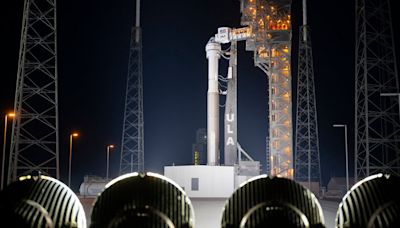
(270, 23)
(132, 146)
(307, 160)
(34, 140)
(377, 124)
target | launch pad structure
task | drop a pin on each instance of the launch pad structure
(268, 36)
(269, 24)
(267, 32)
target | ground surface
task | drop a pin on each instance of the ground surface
(329, 208)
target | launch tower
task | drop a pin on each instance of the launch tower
(132, 146)
(307, 162)
(34, 140)
(377, 122)
(270, 23)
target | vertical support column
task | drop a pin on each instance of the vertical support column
(230, 148)
(213, 50)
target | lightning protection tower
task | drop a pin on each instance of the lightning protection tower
(377, 125)
(34, 140)
(132, 149)
(307, 163)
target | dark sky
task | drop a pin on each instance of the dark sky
(93, 48)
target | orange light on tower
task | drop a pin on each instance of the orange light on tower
(286, 96)
(286, 49)
(286, 123)
(71, 136)
(11, 115)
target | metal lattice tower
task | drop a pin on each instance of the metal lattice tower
(132, 149)
(267, 156)
(377, 126)
(307, 162)
(270, 23)
(34, 140)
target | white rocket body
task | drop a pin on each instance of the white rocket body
(213, 50)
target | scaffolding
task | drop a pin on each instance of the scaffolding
(377, 125)
(270, 23)
(34, 140)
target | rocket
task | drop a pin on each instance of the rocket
(213, 50)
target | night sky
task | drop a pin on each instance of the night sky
(93, 49)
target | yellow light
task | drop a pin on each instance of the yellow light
(286, 95)
(111, 146)
(11, 114)
(75, 134)
(24, 177)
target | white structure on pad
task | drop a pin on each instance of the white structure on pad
(203, 181)
(208, 187)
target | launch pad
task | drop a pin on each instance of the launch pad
(208, 187)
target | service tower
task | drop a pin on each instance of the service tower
(270, 23)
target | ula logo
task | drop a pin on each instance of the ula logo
(230, 118)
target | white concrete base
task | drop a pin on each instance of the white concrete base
(215, 184)
(201, 181)
(208, 212)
